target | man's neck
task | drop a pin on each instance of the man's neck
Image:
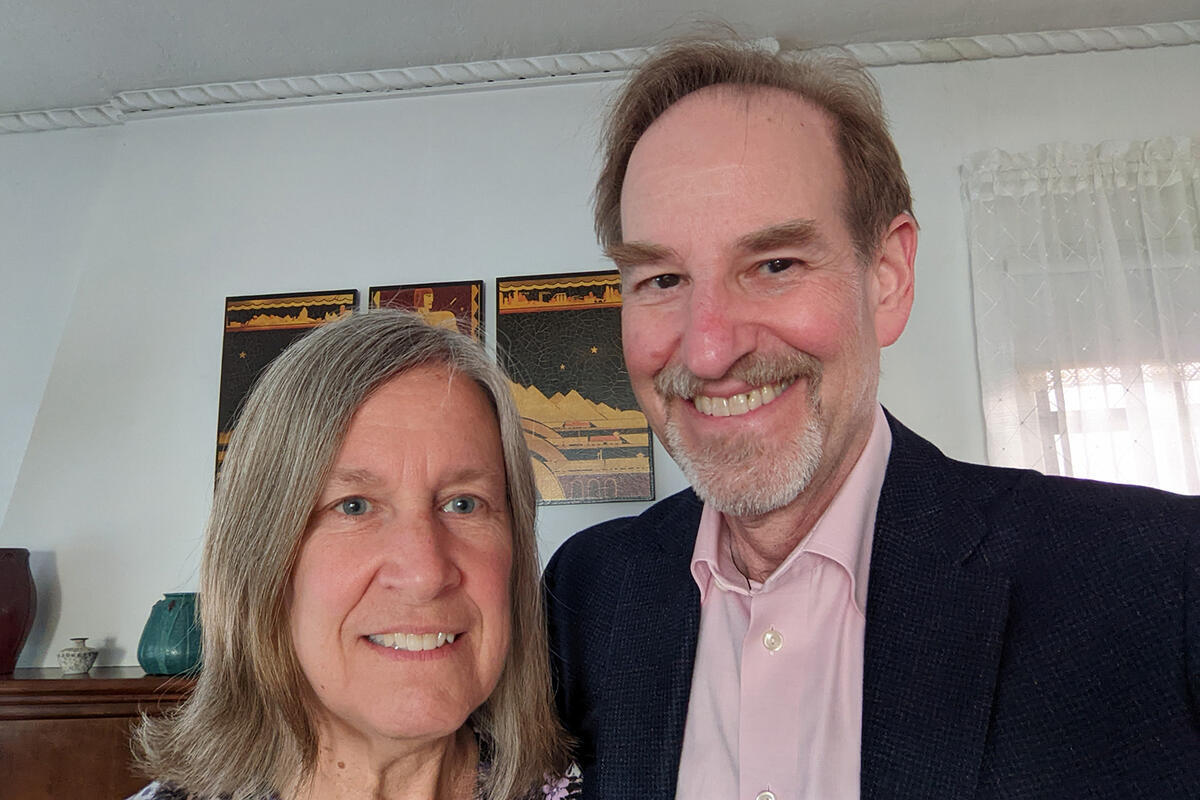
(759, 544)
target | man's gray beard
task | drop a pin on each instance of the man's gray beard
(740, 477)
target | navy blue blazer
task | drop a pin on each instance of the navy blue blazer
(1026, 636)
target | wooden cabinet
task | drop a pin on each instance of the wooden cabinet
(67, 737)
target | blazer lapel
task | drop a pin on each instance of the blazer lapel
(647, 692)
(936, 613)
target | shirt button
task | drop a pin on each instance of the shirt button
(773, 641)
(765, 795)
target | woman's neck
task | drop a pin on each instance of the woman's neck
(351, 768)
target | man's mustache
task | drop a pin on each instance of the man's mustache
(753, 369)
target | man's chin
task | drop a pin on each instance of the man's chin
(755, 503)
(740, 478)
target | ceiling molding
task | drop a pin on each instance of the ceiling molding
(476, 74)
(59, 118)
(1011, 45)
(559, 68)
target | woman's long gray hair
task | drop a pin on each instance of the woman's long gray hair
(248, 730)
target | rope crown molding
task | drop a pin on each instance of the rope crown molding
(565, 67)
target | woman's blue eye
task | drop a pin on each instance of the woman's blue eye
(460, 505)
(354, 506)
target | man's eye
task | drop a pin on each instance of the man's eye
(460, 505)
(777, 265)
(354, 506)
(666, 281)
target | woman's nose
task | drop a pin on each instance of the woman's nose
(417, 560)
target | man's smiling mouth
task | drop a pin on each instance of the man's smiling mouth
(412, 642)
(740, 403)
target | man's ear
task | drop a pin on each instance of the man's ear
(892, 273)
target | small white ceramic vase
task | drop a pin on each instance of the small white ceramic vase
(78, 658)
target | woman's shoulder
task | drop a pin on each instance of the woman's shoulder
(567, 785)
(163, 791)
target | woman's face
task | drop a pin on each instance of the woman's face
(400, 597)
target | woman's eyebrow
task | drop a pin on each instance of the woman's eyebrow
(353, 477)
(357, 477)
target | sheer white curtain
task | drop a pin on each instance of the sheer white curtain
(1085, 265)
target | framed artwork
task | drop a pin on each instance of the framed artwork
(449, 305)
(559, 338)
(257, 329)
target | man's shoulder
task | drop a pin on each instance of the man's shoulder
(917, 461)
(592, 568)
(1026, 503)
(1063, 503)
(669, 526)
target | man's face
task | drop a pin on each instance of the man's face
(751, 327)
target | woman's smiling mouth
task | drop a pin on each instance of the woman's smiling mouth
(412, 642)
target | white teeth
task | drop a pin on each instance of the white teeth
(412, 642)
(739, 404)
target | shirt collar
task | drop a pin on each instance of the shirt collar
(843, 534)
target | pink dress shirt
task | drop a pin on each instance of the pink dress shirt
(775, 711)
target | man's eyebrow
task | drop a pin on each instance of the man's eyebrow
(793, 233)
(632, 254)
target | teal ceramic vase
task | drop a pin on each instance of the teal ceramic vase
(170, 643)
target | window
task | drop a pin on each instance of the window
(1085, 267)
(1100, 415)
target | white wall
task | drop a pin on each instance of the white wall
(48, 185)
(159, 220)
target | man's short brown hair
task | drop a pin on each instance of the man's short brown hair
(876, 186)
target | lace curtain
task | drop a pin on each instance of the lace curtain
(1085, 267)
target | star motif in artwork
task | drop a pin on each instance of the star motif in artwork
(562, 366)
(595, 349)
(242, 354)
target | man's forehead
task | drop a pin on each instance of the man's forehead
(765, 156)
(729, 114)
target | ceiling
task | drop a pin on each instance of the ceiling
(67, 53)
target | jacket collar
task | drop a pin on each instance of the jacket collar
(936, 612)
(652, 668)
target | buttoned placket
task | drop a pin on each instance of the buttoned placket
(769, 690)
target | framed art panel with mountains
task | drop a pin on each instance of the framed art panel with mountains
(559, 338)
(257, 329)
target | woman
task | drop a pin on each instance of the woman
(369, 588)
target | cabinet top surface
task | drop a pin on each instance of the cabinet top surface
(100, 681)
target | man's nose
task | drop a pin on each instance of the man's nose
(718, 330)
(417, 559)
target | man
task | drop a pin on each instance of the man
(836, 609)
